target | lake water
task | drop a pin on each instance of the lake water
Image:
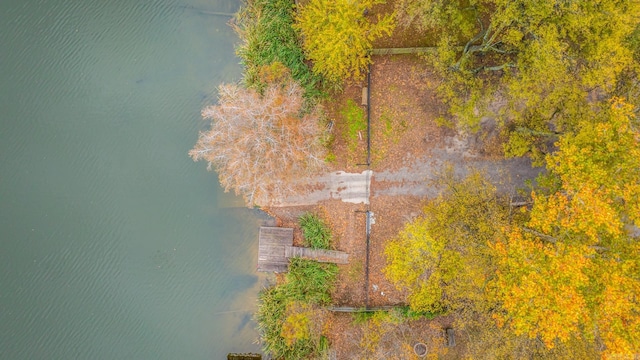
(113, 243)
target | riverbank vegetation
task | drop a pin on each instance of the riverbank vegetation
(552, 271)
(290, 316)
(267, 35)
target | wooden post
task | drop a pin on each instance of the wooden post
(451, 338)
(365, 96)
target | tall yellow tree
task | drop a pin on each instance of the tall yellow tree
(446, 262)
(443, 258)
(338, 37)
(539, 284)
(598, 169)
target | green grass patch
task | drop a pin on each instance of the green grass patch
(407, 313)
(362, 317)
(356, 270)
(317, 234)
(355, 123)
(265, 28)
(388, 123)
(392, 128)
(330, 158)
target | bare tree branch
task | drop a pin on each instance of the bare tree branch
(260, 144)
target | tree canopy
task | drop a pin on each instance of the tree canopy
(574, 266)
(338, 37)
(259, 144)
(548, 64)
(267, 36)
(563, 272)
(444, 256)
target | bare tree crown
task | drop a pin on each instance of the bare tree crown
(260, 144)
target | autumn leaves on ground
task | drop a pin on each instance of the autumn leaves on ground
(548, 268)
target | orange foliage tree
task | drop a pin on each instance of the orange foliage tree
(561, 278)
(574, 267)
(260, 143)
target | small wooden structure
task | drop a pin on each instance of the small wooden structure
(272, 242)
(275, 247)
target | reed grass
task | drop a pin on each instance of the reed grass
(267, 35)
(316, 233)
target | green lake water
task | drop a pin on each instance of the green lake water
(113, 243)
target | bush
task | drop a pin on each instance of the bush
(267, 35)
(316, 234)
(362, 316)
(409, 314)
(271, 317)
(311, 281)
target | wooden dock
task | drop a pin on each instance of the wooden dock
(275, 247)
(272, 242)
(319, 255)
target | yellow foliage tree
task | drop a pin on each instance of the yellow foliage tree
(599, 171)
(443, 258)
(446, 262)
(618, 312)
(548, 63)
(516, 291)
(539, 284)
(338, 37)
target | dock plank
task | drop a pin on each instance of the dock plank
(320, 255)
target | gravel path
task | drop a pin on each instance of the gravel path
(417, 179)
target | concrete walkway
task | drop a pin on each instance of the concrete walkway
(348, 187)
(417, 179)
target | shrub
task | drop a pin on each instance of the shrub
(271, 317)
(311, 281)
(316, 234)
(362, 316)
(296, 326)
(408, 313)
